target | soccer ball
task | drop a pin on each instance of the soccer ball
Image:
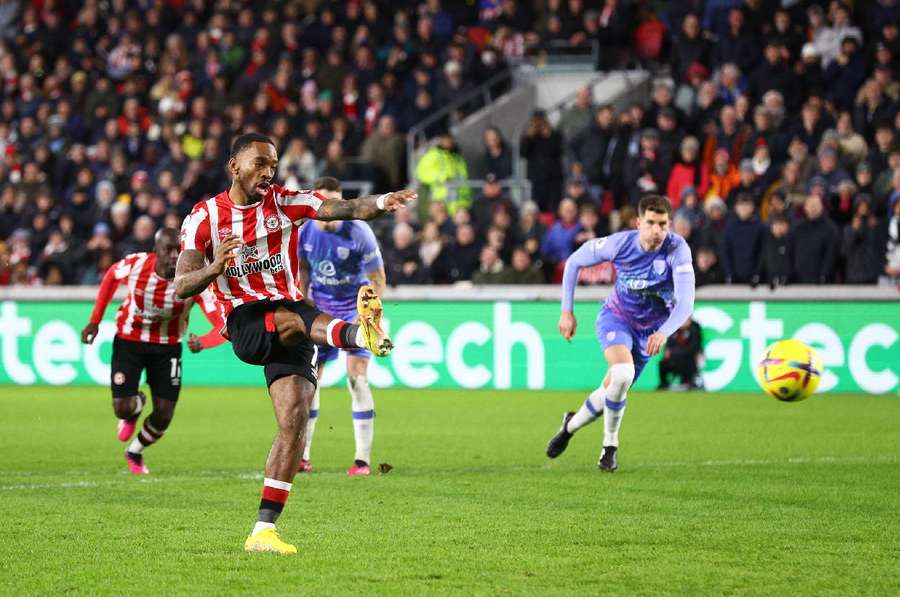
(790, 370)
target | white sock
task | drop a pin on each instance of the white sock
(311, 424)
(360, 338)
(136, 447)
(363, 407)
(612, 421)
(621, 376)
(260, 525)
(589, 412)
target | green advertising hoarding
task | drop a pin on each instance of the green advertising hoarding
(494, 345)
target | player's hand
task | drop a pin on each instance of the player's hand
(225, 253)
(89, 333)
(396, 200)
(567, 324)
(655, 343)
(194, 343)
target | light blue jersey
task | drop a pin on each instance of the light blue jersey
(338, 263)
(654, 289)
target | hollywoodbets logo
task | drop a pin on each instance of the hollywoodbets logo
(273, 264)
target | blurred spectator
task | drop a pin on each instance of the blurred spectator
(863, 244)
(892, 256)
(521, 270)
(402, 258)
(776, 260)
(815, 244)
(491, 199)
(578, 116)
(590, 226)
(431, 245)
(742, 242)
(559, 241)
(688, 172)
(689, 47)
(749, 184)
(590, 147)
(724, 175)
(542, 147)
(459, 260)
(141, 240)
(385, 149)
(706, 267)
(681, 357)
(497, 157)
(297, 165)
(440, 164)
(490, 267)
(690, 208)
(646, 170)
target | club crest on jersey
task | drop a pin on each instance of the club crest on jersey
(343, 252)
(224, 232)
(272, 223)
(659, 266)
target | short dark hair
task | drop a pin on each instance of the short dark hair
(656, 203)
(327, 183)
(246, 139)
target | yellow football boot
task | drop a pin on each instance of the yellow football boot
(268, 540)
(369, 309)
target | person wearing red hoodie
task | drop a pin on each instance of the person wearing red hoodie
(689, 171)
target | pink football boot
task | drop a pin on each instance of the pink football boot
(358, 468)
(136, 464)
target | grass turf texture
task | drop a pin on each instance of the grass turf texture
(717, 494)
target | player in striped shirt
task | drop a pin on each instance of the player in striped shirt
(149, 326)
(244, 243)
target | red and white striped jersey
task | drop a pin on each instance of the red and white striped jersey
(267, 265)
(151, 312)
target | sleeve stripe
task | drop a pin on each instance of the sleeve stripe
(303, 198)
(684, 268)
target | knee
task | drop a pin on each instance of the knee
(291, 330)
(621, 376)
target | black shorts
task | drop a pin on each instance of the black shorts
(254, 340)
(162, 362)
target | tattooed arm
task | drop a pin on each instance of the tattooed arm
(193, 275)
(365, 208)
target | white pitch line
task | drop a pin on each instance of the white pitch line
(256, 475)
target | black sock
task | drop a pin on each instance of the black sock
(348, 336)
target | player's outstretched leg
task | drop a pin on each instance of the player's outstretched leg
(291, 397)
(573, 421)
(128, 410)
(153, 428)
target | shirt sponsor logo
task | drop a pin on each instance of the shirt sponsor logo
(273, 264)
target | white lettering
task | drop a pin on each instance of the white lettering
(827, 343)
(728, 351)
(55, 345)
(758, 330)
(467, 376)
(417, 342)
(506, 335)
(874, 382)
(95, 367)
(11, 328)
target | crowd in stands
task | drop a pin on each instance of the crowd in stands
(773, 130)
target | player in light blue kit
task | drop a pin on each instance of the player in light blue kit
(336, 259)
(653, 296)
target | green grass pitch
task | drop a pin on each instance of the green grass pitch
(717, 494)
